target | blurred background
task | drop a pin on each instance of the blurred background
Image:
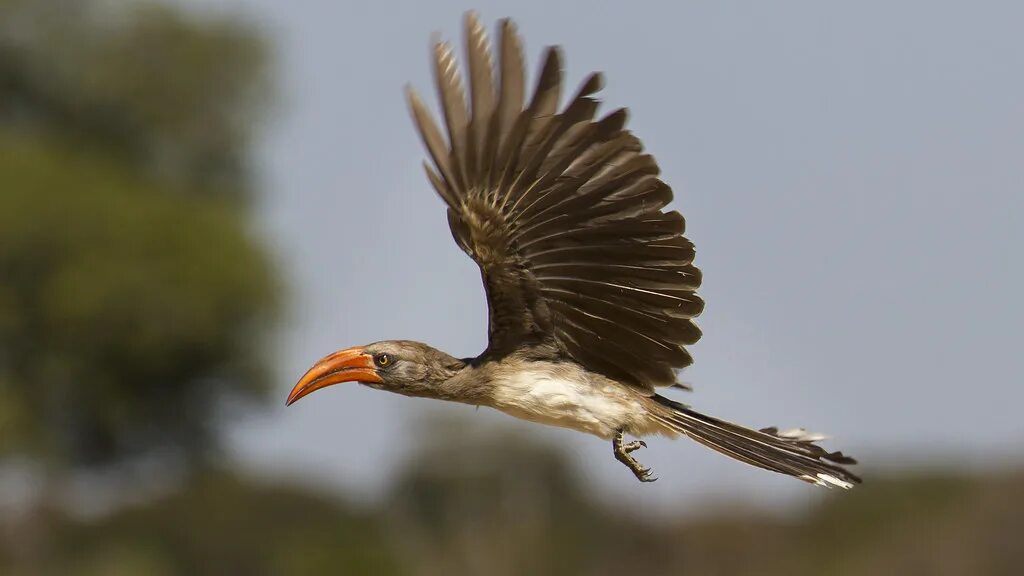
(198, 200)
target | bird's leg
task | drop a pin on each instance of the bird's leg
(622, 451)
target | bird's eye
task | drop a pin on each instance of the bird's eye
(382, 360)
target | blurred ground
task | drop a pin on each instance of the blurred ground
(494, 503)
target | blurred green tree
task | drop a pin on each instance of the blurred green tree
(172, 94)
(133, 297)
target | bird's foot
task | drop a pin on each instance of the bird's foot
(622, 451)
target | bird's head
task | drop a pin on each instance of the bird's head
(401, 366)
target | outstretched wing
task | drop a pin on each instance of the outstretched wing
(563, 213)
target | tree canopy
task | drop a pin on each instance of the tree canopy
(133, 295)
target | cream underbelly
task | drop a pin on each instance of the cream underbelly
(570, 400)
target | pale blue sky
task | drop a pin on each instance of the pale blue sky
(851, 174)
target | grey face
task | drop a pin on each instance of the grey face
(409, 368)
(398, 364)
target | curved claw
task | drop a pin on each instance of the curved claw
(634, 446)
(644, 475)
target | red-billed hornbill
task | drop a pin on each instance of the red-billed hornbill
(590, 283)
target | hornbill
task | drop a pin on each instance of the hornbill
(590, 283)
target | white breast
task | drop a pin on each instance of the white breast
(567, 398)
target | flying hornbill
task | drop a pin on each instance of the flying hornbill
(590, 283)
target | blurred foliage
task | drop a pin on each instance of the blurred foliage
(133, 296)
(477, 502)
(177, 95)
(483, 508)
(126, 309)
(219, 525)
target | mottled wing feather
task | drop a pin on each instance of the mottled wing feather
(563, 212)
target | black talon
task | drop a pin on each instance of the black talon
(633, 446)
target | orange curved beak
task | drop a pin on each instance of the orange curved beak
(349, 365)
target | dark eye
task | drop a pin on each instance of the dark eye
(382, 360)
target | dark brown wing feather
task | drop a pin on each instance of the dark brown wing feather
(564, 214)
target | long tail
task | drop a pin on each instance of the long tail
(791, 452)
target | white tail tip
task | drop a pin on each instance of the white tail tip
(828, 481)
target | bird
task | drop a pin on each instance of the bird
(590, 281)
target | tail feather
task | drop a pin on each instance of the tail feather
(792, 452)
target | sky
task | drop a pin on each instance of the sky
(851, 174)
